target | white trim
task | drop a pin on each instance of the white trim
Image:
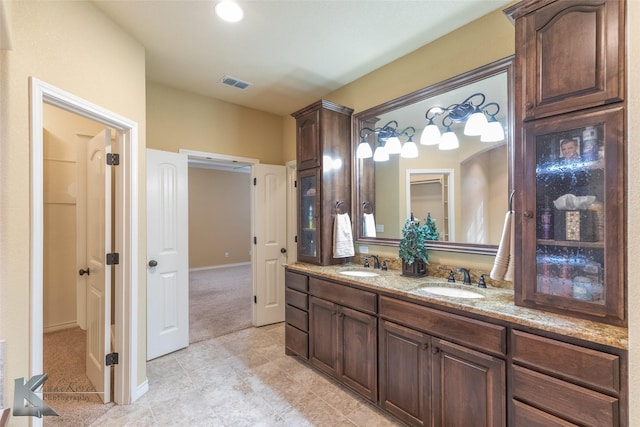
(217, 157)
(213, 267)
(140, 390)
(126, 217)
(451, 183)
(60, 327)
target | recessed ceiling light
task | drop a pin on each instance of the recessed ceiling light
(229, 11)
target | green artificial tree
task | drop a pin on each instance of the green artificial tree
(431, 232)
(412, 249)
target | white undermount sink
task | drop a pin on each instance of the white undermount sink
(358, 273)
(451, 292)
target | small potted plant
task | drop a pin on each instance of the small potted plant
(412, 250)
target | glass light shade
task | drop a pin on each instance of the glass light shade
(409, 150)
(430, 135)
(393, 145)
(476, 124)
(493, 132)
(381, 154)
(448, 141)
(364, 150)
(229, 11)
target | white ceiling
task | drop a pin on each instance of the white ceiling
(293, 52)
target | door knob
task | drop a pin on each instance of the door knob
(153, 263)
(283, 250)
(83, 272)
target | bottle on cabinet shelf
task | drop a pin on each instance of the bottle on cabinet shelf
(310, 216)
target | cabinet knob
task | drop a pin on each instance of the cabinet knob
(528, 214)
(528, 106)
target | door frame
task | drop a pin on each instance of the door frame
(126, 196)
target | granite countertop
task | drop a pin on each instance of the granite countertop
(498, 303)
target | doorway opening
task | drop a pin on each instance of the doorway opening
(75, 237)
(125, 275)
(220, 268)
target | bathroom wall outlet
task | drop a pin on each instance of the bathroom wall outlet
(380, 228)
(364, 249)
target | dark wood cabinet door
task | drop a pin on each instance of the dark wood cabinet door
(308, 140)
(310, 216)
(404, 368)
(572, 262)
(571, 57)
(323, 342)
(357, 351)
(469, 387)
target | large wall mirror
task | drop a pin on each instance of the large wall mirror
(462, 184)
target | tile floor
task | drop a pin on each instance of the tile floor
(242, 379)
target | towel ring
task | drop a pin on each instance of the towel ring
(366, 207)
(340, 203)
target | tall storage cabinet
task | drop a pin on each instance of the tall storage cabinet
(323, 146)
(570, 157)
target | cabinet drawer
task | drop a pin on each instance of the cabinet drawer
(587, 367)
(296, 299)
(577, 404)
(525, 415)
(298, 318)
(343, 295)
(296, 281)
(473, 333)
(296, 340)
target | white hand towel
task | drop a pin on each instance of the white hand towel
(503, 263)
(369, 225)
(342, 237)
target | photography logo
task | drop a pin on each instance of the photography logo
(26, 402)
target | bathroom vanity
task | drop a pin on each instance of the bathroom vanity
(438, 360)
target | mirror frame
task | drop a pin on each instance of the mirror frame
(360, 119)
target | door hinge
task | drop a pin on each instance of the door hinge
(113, 258)
(295, 183)
(113, 159)
(255, 240)
(295, 239)
(255, 299)
(112, 359)
(255, 181)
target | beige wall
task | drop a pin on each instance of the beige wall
(219, 217)
(177, 119)
(62, 133)
(74, 47)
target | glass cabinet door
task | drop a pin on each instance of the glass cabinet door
(309, 216)
(573, 215)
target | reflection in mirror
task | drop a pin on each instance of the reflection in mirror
(465, 189)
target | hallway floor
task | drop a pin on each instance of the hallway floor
(242, 379)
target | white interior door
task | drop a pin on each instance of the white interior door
(270, 219)
(167, 252)
(98, 244)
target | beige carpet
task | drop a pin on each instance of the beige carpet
(219, 301)
(68, 390)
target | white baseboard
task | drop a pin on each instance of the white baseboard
(60, 326)
(141, 390)
(212, 267)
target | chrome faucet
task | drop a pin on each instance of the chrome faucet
(465, 271)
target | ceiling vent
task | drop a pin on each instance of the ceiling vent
(232, 81)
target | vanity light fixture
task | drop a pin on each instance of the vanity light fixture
(474, 112)
(388, 142)
(229, 10)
